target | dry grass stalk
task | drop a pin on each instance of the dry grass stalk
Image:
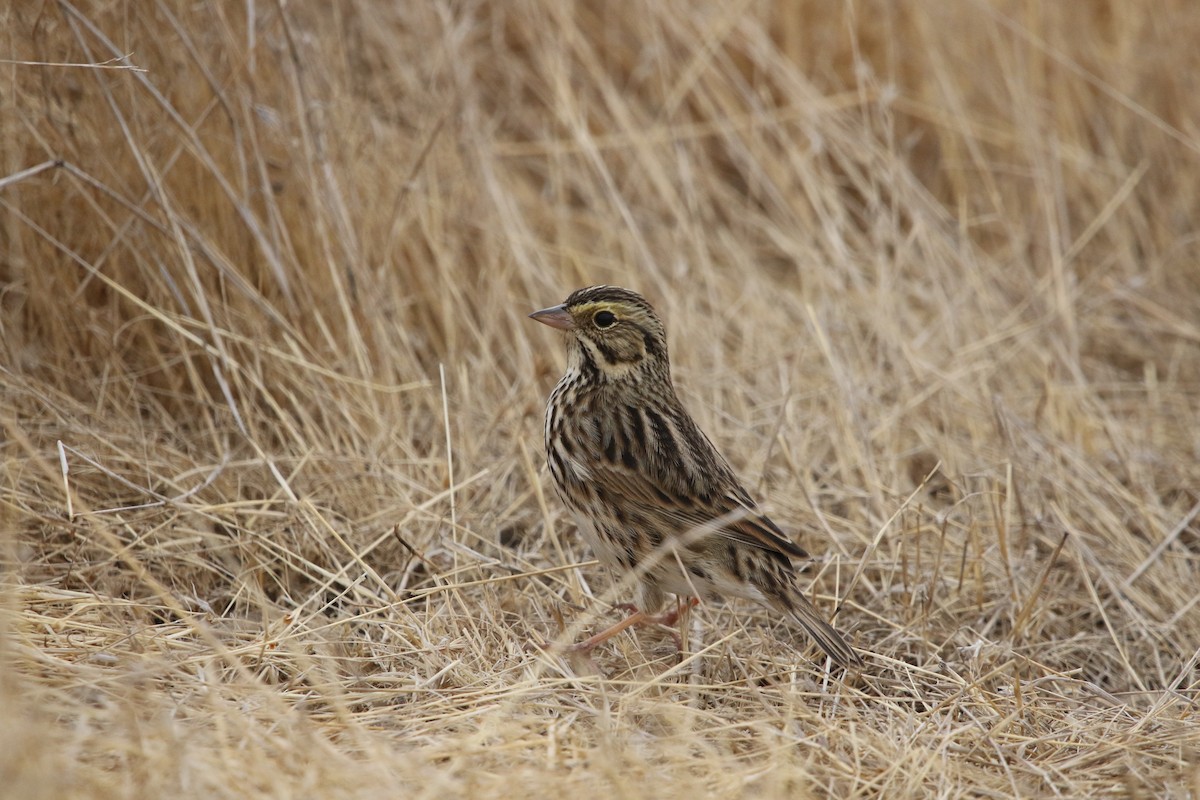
(253, 287)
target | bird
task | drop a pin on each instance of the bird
(649, 492)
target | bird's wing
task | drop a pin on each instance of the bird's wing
(675, 473)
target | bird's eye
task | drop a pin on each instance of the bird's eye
(605, 319)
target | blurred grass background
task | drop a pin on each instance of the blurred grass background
(274, 516)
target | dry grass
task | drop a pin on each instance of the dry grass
(260, 288)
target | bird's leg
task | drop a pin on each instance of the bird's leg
(679, 615)
(590, 643)
(639, 617)
(636, 617)
(682, 606)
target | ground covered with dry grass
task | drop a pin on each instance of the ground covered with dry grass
(274, 512)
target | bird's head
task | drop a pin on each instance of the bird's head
(612, 333)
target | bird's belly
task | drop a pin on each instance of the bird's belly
(686, 573)
(613, 549)
(693, 575)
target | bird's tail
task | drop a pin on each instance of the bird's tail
(793, 603)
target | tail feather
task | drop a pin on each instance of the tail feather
(798, 607)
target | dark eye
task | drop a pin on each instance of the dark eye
(605, 319)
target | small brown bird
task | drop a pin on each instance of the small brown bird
(647, 488)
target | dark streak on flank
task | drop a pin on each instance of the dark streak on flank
(662, 433)
(637, 427)
(610, 449)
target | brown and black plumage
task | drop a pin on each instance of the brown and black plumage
(647, 488)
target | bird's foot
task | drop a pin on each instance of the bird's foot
(636, 617)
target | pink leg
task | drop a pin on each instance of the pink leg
(638, 618)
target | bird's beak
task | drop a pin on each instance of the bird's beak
(555, 317)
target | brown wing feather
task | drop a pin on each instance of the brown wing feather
(646, 471)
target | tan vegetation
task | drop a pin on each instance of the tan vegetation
(930, 276)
